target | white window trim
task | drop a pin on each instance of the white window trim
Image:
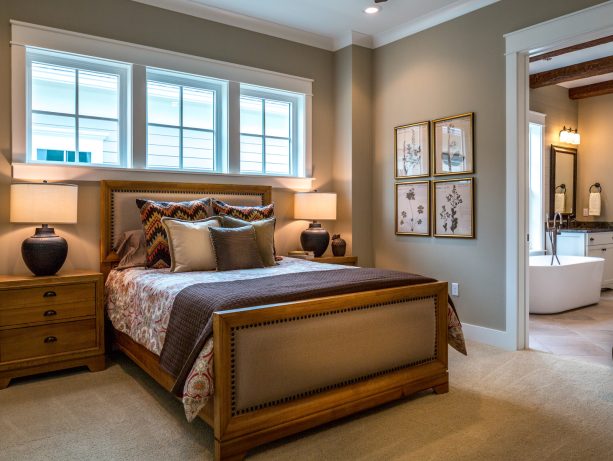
(124, 96)
(297, 129)
(220, 89)
(26, 34)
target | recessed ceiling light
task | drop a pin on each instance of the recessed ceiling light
(372, 10)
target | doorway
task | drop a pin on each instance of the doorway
(578, 27)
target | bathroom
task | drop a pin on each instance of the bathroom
(571, 173)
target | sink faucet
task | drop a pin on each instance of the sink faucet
(553, 232)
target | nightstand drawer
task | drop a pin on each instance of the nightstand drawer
(44, 314)
(47, 295)
(40, 341)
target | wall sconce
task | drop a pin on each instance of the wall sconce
(569, 136)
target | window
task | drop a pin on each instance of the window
(87, 101)
(183, 121)
(536, 216)
(77, 111)
(269, 131)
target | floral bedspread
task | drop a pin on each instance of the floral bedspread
(139, 301)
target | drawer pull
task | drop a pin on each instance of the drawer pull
(50, 313)
(49, 294)
(604, 249)
(50, 339)
(591, 239)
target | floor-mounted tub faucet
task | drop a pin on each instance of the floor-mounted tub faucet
(554, 230)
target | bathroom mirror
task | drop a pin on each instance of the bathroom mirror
(563, 185)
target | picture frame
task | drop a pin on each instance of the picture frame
(454, 208)
(412, 208)
(453, 145)
(412, 150)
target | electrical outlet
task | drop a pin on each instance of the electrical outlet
(455, 289)
(586, 212)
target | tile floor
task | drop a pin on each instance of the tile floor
(584, 334)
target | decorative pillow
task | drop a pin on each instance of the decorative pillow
(246, 213)
(151, 214)
(131, 249)
(264, 235)
(190, 244)
(235, 248)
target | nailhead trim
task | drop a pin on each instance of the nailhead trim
(241, 411)
(178, 192)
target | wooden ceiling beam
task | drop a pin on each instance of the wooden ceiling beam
(576, 71)
(570, 49)
(588, 91)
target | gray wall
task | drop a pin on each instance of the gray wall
(142, 24)
(352, 165)
(561, 111)
(450, 69)
(595, 154)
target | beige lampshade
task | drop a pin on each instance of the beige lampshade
(44, 203)
(314, 205)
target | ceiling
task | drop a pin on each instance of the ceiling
(328, 24)
(601, 49)
(574, 57)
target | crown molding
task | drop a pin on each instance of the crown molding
(244, 22)
(193, 8)
(426, 21)
(354, 38)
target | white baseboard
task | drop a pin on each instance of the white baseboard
(497, 338)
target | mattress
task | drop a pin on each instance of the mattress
(139, 302)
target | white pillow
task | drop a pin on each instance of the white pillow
(190, 244)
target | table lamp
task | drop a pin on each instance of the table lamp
(45, 252)
(314, 206)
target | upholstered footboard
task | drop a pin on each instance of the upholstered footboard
(282, 369)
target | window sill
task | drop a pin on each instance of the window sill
(39, 172)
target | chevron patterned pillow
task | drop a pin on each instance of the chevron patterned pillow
(246, 213)
(151, 214)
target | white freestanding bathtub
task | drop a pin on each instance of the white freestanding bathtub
(574, 283)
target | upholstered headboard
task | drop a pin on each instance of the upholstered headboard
(119, 212)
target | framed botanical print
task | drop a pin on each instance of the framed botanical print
(412, 144)
(453, 144)
(454, 214)
(413, 208)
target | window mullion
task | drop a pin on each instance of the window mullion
(139, 117)
(76, 153)
(263, 136)
(181, 127)
(234, 134)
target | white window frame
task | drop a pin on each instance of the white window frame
(141, 57)
(120, 69)
(297, 128)
(220, 131)
(537, 118)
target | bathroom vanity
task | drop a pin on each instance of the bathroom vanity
(590, 242)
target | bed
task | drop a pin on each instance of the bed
(283, 368)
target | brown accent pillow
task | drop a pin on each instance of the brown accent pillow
(151, 214)
(235, 248)
(264, 235)
(131, 249)
(246, 213)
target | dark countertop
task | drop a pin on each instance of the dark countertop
(588, 230)
(589, 227)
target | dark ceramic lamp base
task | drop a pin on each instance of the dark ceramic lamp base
(315, 239)
(45, 252)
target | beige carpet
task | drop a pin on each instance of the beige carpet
(502, 405)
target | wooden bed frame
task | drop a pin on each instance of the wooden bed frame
(236, 432)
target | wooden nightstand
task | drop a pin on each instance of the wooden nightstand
(50, 323)
(342, 260)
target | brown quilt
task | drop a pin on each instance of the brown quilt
(191, 318)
